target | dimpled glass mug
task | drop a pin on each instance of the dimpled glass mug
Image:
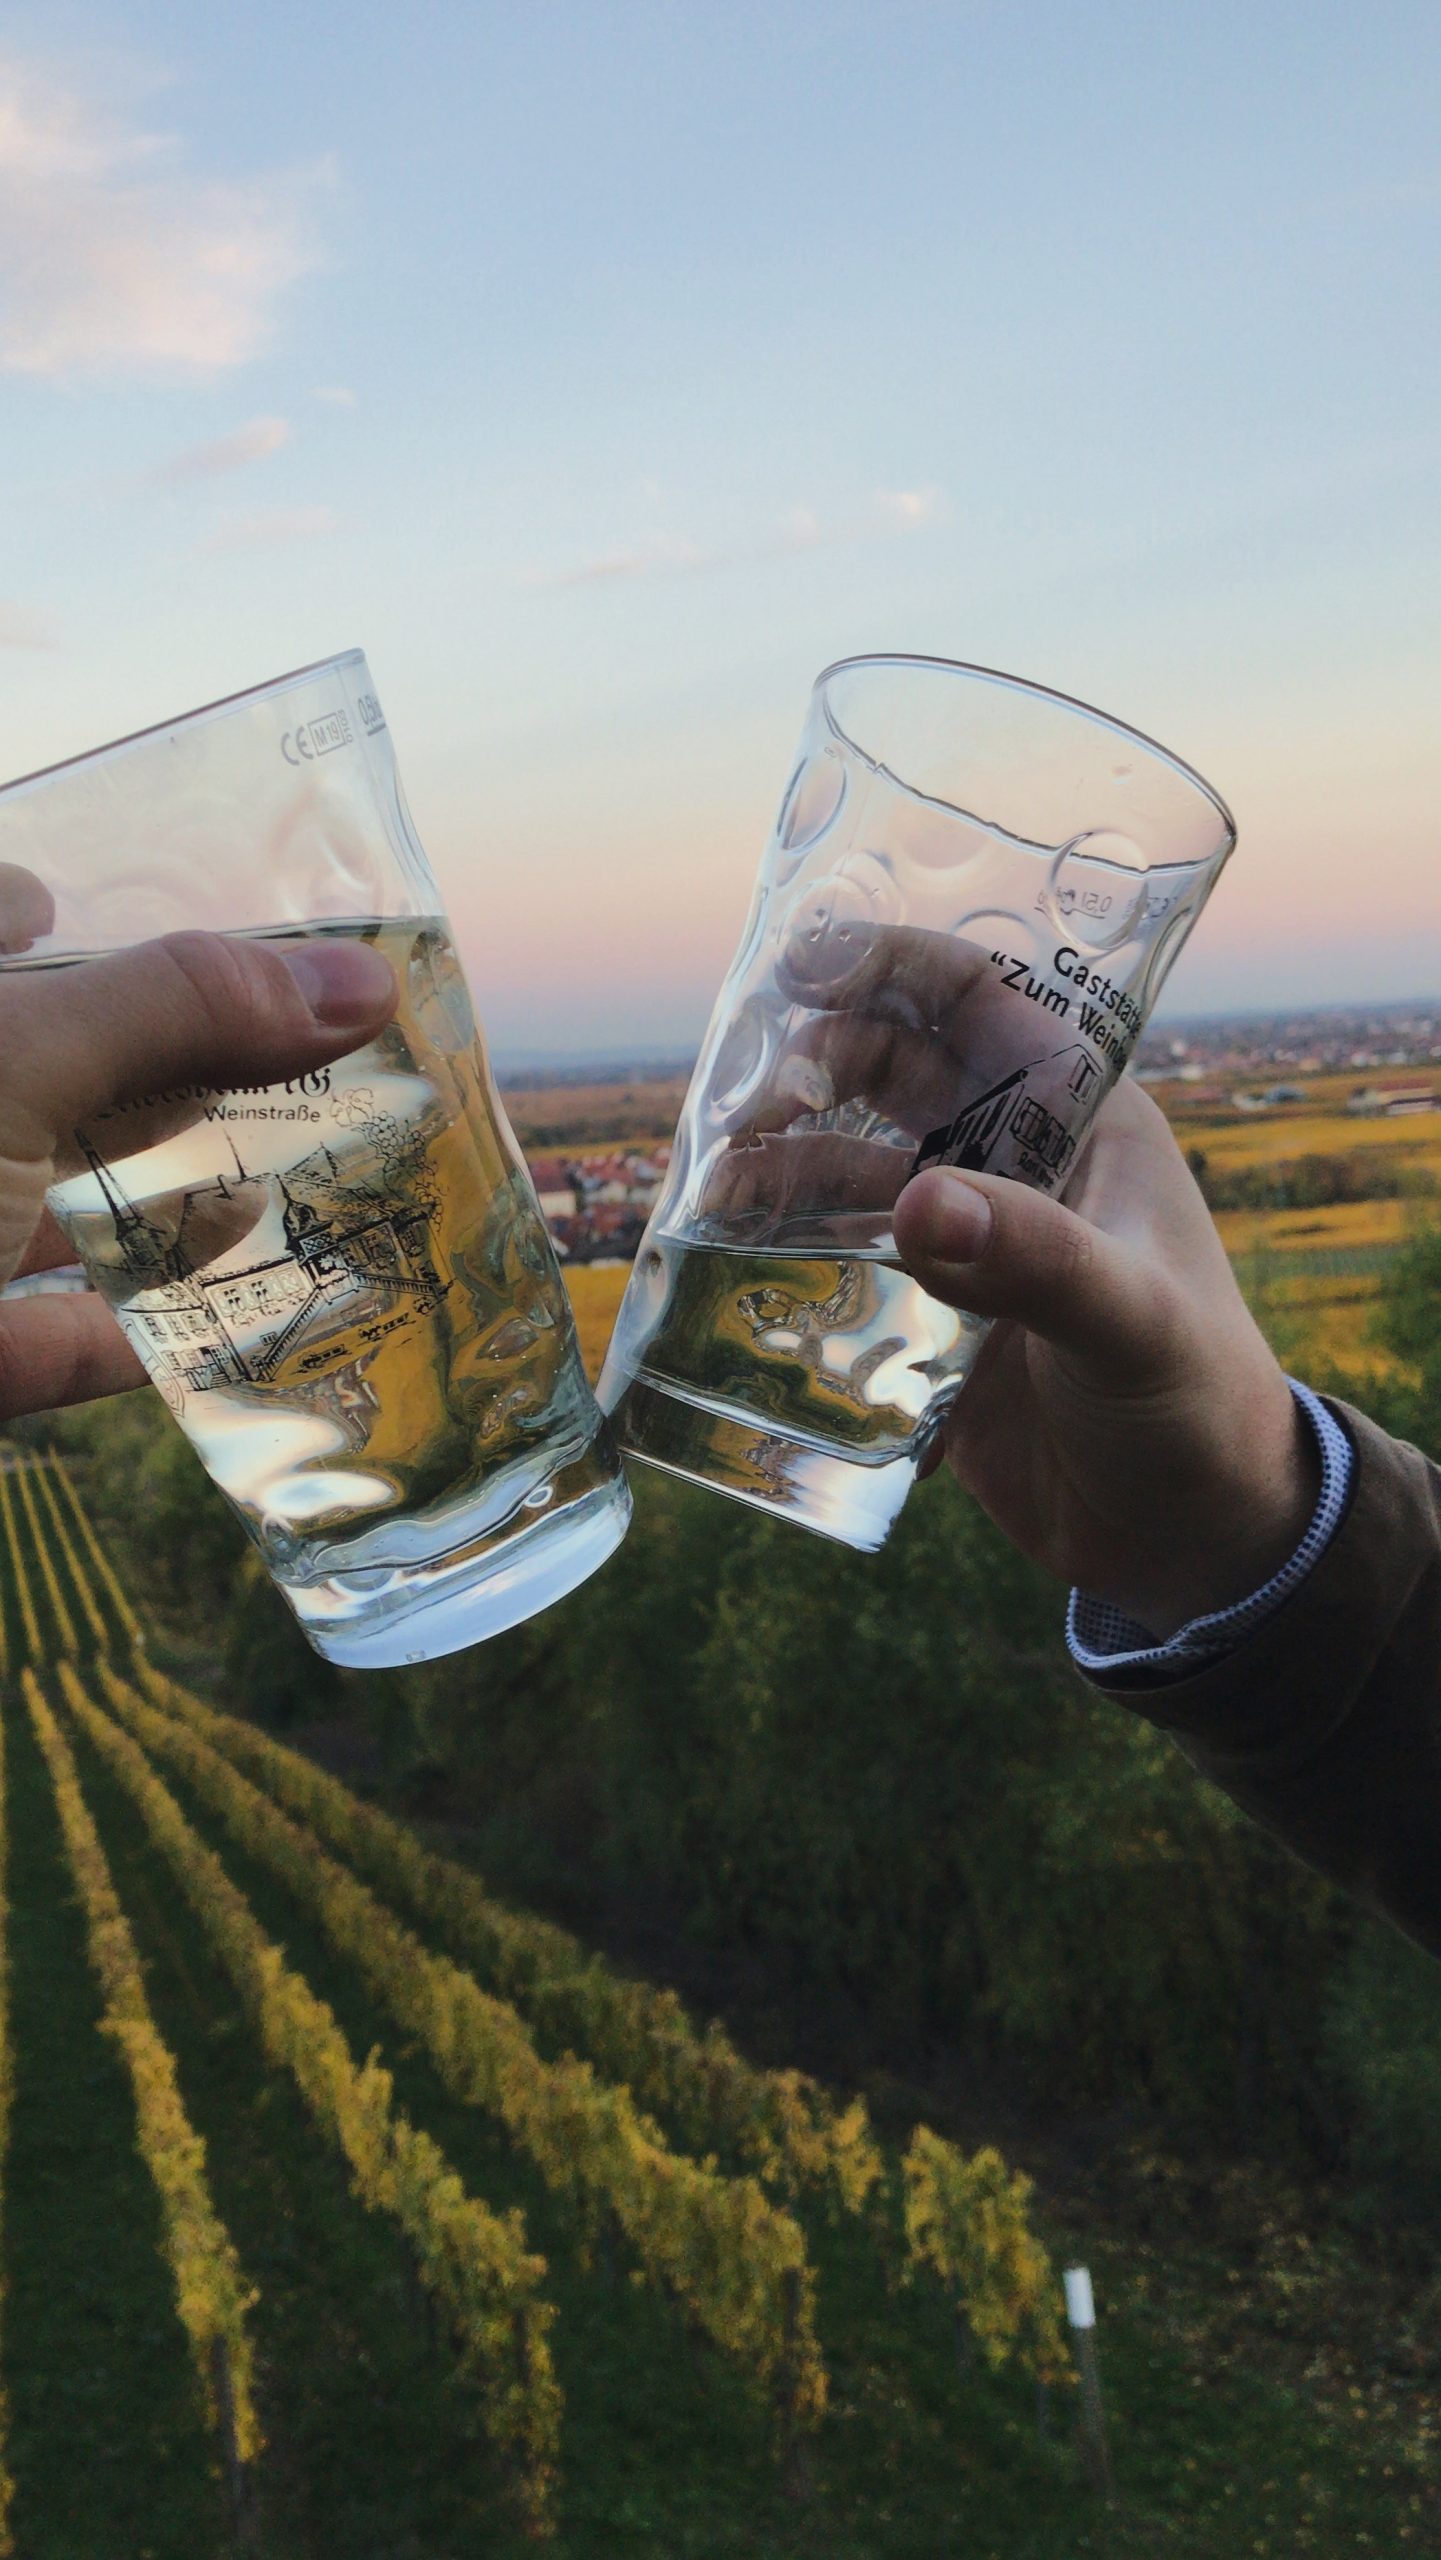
(342, 1286)
(973, 894)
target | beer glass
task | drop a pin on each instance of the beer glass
(342, 1286)
(973, 894)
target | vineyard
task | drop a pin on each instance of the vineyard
(1318, 1269)
(361, 2119)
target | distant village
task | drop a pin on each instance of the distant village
(1257, 1062)
(596, 1206)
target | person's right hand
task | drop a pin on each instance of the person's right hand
(1127, 1424)
(195, 1009)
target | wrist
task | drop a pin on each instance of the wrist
(1260, 1498)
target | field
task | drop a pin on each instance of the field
(596, 1290)
(1316, 1271)
(578, 1116)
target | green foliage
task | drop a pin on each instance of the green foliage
(1408, 1323)
(1383, 2043)
(1310, 1182)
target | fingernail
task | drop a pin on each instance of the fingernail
(342, 982)
(957, 1219)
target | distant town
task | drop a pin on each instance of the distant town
(596, 1206)
(1259, 1061)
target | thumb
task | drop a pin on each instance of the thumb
(991, 1246)
(192, 1009)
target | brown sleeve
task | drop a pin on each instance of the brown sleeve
(1326, 1722)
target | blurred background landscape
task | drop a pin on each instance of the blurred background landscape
(605, 372)
(861, 1811)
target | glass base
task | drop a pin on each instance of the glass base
(836, 1496)
(376, 1621)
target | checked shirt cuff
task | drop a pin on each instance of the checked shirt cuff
(1103, 1639)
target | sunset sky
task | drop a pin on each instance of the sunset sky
(603, 371)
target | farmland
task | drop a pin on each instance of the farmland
(1317, 1270)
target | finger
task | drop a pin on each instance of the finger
(807, 1175)
(901, 974)
(61, 1351)
(27, 909)
(49, 1248)
(914, 1024)
(996, 1248)
(836, 1058)
(192, 1009)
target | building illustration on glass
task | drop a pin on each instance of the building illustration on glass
(1008, 1110)
(350, 1257)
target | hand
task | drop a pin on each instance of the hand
(193, 1009)
(1126, 1424)
(898, 1029)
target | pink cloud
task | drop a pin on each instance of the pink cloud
(115, 256)
(250, 443)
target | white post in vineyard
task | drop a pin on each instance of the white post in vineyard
(1081, 2313)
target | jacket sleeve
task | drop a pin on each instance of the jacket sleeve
(1325, 1723)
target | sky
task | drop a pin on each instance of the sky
(605, 371)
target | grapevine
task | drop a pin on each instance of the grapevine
(474, 2261)
(734, 2260)
(103, 1567)
(59, 1606)
(28, 1621)
(780, 2123)
(967, 2221)
(45, 1475)
(210, 2291)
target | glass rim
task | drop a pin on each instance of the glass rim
(182, 719)
(1016, 684)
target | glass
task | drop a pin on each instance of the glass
(342, 1286)
(973, 894)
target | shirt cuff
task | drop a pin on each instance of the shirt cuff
(1103, 1639)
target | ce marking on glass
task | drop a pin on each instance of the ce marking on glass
(316, 738)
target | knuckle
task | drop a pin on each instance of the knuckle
(1072, 1253)
(237, 989)
(1170, 1328)
(218, 980)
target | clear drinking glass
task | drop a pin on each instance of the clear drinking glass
(342, 1286)
(973, 894)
